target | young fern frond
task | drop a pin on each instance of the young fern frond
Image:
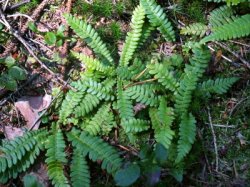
(90, 36)
(143, 94)
(187, 132)
(162, 124)
(96, 148)
(71, 100)
(218, 86)
(133, 36)
(192, 73)
(101, 123)
(163, 75)
(133, 125)
(93, 64)
(17, 155)
(124, 103)
(158, 18)
(197, 29)
(56, 157)
(220, 16)
(79, 170)
(239, 27)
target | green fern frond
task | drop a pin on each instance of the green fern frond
(158, 18)
(143, 94)
(239, 27)
(135, 125)
(90, 36)
(79, 170)
(124, 103)
(93, 64)
(220, 16)
(97, 149)
(218, 86)
(162, 119)
(191, 75)
(133, 36)
(101, 123)
(163, 75)
(197, 29)
(19, 154)
(88, 103)
(187, 132)
(56, 157)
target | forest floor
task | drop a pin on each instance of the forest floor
(221, 153)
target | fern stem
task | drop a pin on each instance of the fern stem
(139, 83)
(140, 74)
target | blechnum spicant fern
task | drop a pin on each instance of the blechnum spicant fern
(140, 94)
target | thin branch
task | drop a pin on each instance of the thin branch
(214, 140)
(138, 83)
(246, 63)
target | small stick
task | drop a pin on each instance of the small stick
(214, 140)
(246, 63)
(19, 14)
(138, 83)
(236, 42)
(140, 74)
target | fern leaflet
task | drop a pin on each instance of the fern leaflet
(96, 149)
(158, 18)
(187, 131)
(162, 119)
(133, 37)
(218, 86)
(90, 36)
(79, 174)
(239, 27)
(56, 157)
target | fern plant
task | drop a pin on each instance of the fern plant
(224, 25)
(138, 95)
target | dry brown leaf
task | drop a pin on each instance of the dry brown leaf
(30, 106)
(12, 132)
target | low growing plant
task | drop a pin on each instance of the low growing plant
(135, 94)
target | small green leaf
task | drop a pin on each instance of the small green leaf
(7, 82)
(17, 73)
(9, 61)
(59, 43)
(50, 38)
(60, 31)
(32, 26)
(31, 181)
(45, 119)
(127, 176)
(160, 153)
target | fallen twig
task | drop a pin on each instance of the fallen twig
(246, 63)
(215, 141)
